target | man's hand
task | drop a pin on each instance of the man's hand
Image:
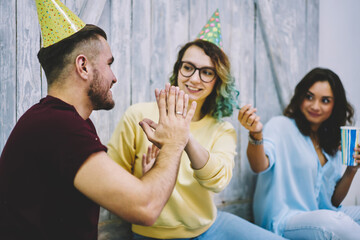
(174, 119)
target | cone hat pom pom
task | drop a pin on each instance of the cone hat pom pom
(212, 30)
(56, 21)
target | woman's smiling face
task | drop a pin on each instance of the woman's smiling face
(318, 103)
(196, 89)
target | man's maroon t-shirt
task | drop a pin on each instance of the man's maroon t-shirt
(38, 165)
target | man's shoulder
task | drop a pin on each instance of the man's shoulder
(55, 118)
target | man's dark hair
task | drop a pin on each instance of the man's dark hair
(329, 131)
(54, 58)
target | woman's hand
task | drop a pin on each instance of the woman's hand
(249, 119)
(255, 150)
(356, 158)
(343, 186)
(148, 159)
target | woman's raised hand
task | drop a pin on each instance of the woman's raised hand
(248, 118)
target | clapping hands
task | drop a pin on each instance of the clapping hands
(174, 118)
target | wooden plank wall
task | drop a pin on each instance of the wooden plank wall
(271, 44)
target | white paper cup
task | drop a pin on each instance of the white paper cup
(349, 140)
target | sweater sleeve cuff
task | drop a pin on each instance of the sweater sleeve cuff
(208, 169)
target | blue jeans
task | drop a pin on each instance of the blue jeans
(228, 226)
(325, 224)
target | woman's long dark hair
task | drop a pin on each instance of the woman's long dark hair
(329, 130)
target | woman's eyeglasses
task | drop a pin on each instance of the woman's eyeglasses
(187, 69)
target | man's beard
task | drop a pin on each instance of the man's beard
(98, 95)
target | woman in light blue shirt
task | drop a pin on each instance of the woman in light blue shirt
(300, 185)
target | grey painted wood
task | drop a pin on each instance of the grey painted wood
(7, 69)
(116, 21)
(198, 16)
(169, 31)
(312, 36)
(92, 10)
(76, 6)
(240, 45)
(141, 49)
(27, 68)
(283, 55)
(271, 45)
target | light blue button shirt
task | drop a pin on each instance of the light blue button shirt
(295, 180)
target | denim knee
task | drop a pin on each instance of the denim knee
(321, 224)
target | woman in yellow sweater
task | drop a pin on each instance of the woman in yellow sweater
(202, 70)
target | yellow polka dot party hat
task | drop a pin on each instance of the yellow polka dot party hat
(56, 21)
(212, 30)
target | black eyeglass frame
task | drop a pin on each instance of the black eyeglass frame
(195, 68)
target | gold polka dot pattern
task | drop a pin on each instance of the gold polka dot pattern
(56, 21)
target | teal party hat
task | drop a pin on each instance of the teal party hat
(212, 30)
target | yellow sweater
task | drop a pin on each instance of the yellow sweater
(190, 210)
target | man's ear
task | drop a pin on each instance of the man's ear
(82, 66)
